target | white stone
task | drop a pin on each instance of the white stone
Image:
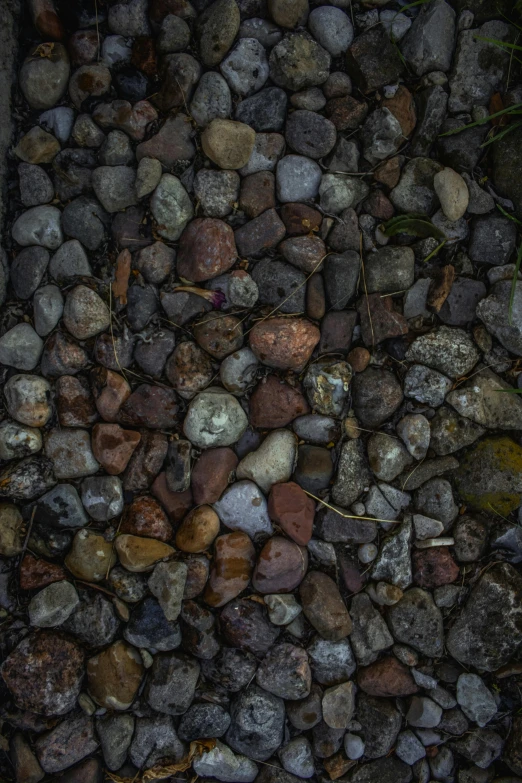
(453, 193)
(272, 462)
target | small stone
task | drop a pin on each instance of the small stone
(140, 554)
(284, 343)
(171, 207)
(154, 407)
(212, 99)
(387, 677)
(452, 192)
(115, 732)
(353, 476)
(324, 607)
(44, 673)
(85, 220)
(207, 249)
(338, 705)
(148, 175)
(282, 609)
(243, 507)
(228, 144)
(281, 566)
(114, 676)
(217, 191)
(149, 628)
(18, 441)
(198, 530)
(90, 557)
(353, 746)
(298, 62)
(39, 226)
(476, 700)
(298, 178)
(426, 385)
(53, 605)
(340, 191)
(272, 462)
(257, 723)
(59, 121)
(167, 584)
(37, 146)
(424, 713)
(44, 75)
(409, 749)
(285, 672)
(434, 567)
(416, 621)
(373, 61)
(332, 28)
(214, 418)
(446, 349)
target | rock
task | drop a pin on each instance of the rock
(148, 627)
(296, 757)
(85, 220)
(338, 705)
(285, 672)
(53, 605)
(59, 121)
(428, 44)
(39, 226)
(257, 723)
(426, 385)
(415, 191)
(227, 143)
(171, 207)
(113, 446)
(380, 723)
(21, 347)
(393, 564)
(480, 403)
(282, 609)
(445, 349)
(71, 454)
(479, 68)
(207, 249)
(70, 261)
(386, 677)
(284, 343)
(492, 642)
(324, 607)
(243, 507)
(198, 530)
(140, 554)
(293, 510)
(115, 733)
(172, 144)
(68, 742)
(44, 673)
(219, 336)
(154, 739)
(211, 474)
(272, 462)
(480, 746)
(27, 479)
(488, 475)
(298, 178)
(94, 622)
(35, 185)
(214, 418)
(85, 313)
(281, 566)
(387, 456)
(211, 100)
(217, 191)
(476, 700)
(416, 621)
(114, 676)
(452, 192)
(332, 28)
(353, 746)
(114, 187)
(37, 146)
(150, 406)
(494, 313)
(233, 563)
(492, 239)
(389, 269)
(246, 67)
(424, 713)
(223, 764)
(203, 720)
(90, 556)
(167, 584)
(128, 18)
(44, 75)
(339, 192)
(435, 499)
(372, 60)
(27, 270)
(353, 476)
(370, 635)
(217, 27)
(171, 683)
(505, 159)
(298, 62)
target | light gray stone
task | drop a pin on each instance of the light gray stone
(21, 347)
(171, 207)
(214, 418)
(243, 507)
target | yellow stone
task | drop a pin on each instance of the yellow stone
(114, 676)
(90, 557)
(489, 477)
(140, 554)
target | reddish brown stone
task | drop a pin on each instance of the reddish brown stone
(275, 404)
(219, 334)
(113, 446)
(189, 369)
(234, 558)
(172, 143)
(300, 219)
(146, 462)
(198, 530)
(336, 331)
(197, 575)
(150, 406)
(388, 172)
(359, 359)
(293, 510)
(212, 473)
(402, 106)
(145, 517)
(260, 234)
(379, 319)
(323, 606)
(280, 567)
(346, 113)
(315, 297)
(35, 573)
(110, 392)
(434, 567)
(284, 343)
(245, 624)
(257, 193)
(386, 677)
(44, 673)
(83, 47)
(74, 402)
(206, 249)
(305, 252)
(62, 356)
(176, 504)
(350, 571)
(144, 55)
(122, 115)
(379, 206)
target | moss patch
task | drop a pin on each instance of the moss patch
(490, 476)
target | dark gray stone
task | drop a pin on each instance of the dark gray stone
(416, 621)
(28, 269)
(172, 683)
(264, 111)
(276, 281)
(341, 275)
(148, 627)
(257, 723)
(493, 239)
(381, 723)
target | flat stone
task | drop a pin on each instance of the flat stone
(324, 607)
(140, 554)
(285, 672)
(68, 742)
(214, 418)
(53, 605)
(257, 723)
(272, 462)
(298, 62)
(232, 568)
(90, 556)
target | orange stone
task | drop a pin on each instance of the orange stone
(275, 404)
(113, 446)
(293, 510)
(145, 517)
(141, 554)
(234, 558)
(39, 573)
(402, 106)
(198, 530)
(284, 343)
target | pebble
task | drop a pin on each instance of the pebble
(227, 143)
(257, 723)
(214, 418)
(44, 75)
(272, 462)
(138, 554)
(39, 226)
(18, 441)
(222, 763)
(167, 584)
(338, 705)
(243, 507)
(85, 219)
(353, 746)
(171, 207)
(114, 676)
(246, 67)
(298, 62)
(475, 699)
(90, 556)
(21, 347)
(324, 607)
(453, 193)
(280, 567)
(293, 511)
(331, 27)
(53, 605)
(285, 672)
(297, 759)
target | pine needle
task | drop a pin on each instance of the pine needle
(351, 516)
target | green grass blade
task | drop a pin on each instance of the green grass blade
(498, 42)
(434, 252)
(514, 285)
(510, 391)
(503, 132)
(509, 215)
(515, 109)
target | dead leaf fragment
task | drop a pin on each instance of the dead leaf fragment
(440, 287)
(121, 277)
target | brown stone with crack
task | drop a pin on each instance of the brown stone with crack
(284, 343)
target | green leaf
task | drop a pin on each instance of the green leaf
(509, 215)
(515, 109)
(503, 132)
(514, 284)
(414, 225)
(498, 42)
